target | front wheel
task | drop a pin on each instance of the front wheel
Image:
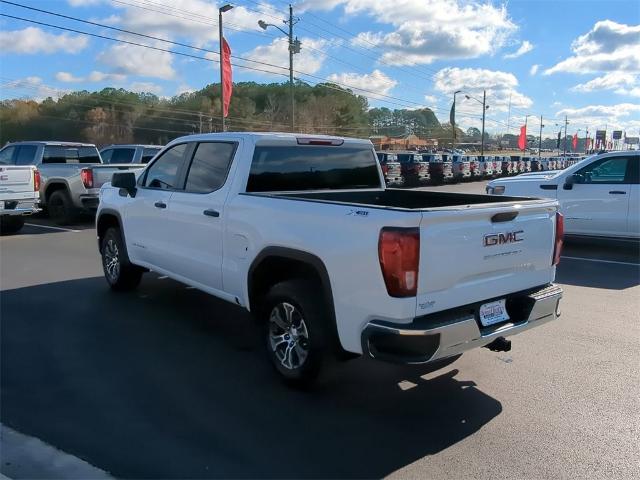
(121, 275)
(295, 325)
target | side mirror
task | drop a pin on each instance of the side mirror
(125, 181)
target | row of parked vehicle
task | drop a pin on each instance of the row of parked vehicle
(421, 168)
(63, 178)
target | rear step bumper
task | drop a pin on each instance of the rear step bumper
(451, 332)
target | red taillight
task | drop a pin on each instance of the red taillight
(86, 175)
(36, 180)
(557, 250)
(385, 169)
(399, 254)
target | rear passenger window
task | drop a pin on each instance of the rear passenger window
(209, 167)
(122, 155)
(164, 173)
(6, 156)
(26, 155)
(106, 155)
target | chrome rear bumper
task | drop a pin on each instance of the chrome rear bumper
(445, 334)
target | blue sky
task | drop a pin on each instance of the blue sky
(550, 57)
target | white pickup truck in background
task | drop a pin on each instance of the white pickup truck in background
(302, 232)
(19, 196)
(599, 196)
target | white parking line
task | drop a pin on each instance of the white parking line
(601, 261)
(53, 228)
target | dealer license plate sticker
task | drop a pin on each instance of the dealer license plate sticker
(493, 312)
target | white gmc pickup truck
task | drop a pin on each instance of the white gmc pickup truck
(302, 232)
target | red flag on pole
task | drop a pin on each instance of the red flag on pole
(522, 139)
(226, 76)
(574, 142)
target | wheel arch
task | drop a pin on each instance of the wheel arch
(54, 186)
(275, 264)
(106, 219)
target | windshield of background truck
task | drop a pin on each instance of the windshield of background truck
(295, 168)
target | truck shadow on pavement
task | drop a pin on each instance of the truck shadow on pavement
(168, 382)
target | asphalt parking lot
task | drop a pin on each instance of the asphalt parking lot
(167, 382)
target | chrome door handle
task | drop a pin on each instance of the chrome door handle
(160, 205)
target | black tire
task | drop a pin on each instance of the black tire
(308, 333)
(60, 208)
(120, 273)
(11, 224)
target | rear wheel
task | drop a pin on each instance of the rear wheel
(121, 275)
(295, 327)
(60, 208)
(11, 224)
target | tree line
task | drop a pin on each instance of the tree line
(115, 115)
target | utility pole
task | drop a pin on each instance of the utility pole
(294, 47)
(200, 121)
(566, 122)
(291, 92)
(540, 139)
(484, 111)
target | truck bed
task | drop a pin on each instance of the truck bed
(399, 199)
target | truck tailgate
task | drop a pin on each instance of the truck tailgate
(16, 179)
(103, 173)
(472, 254)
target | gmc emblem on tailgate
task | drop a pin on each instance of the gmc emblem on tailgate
(502, 238)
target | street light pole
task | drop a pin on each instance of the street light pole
(566, 122)
(484, 111)
(221, 10)
(540, 139)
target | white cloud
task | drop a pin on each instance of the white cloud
(133, 60)
(31, 88)
(607, 47)
(195, 20)
(501, 88)
(609, 81)
(145, 87)
(534, 69)
(184, 88)
(94, 76)
(621, 83)
(67, 77)
(309, 60)
(432, 99)
(375, 81)
(525, 47)
(428, 30)
(625, 116)
(32, 40)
